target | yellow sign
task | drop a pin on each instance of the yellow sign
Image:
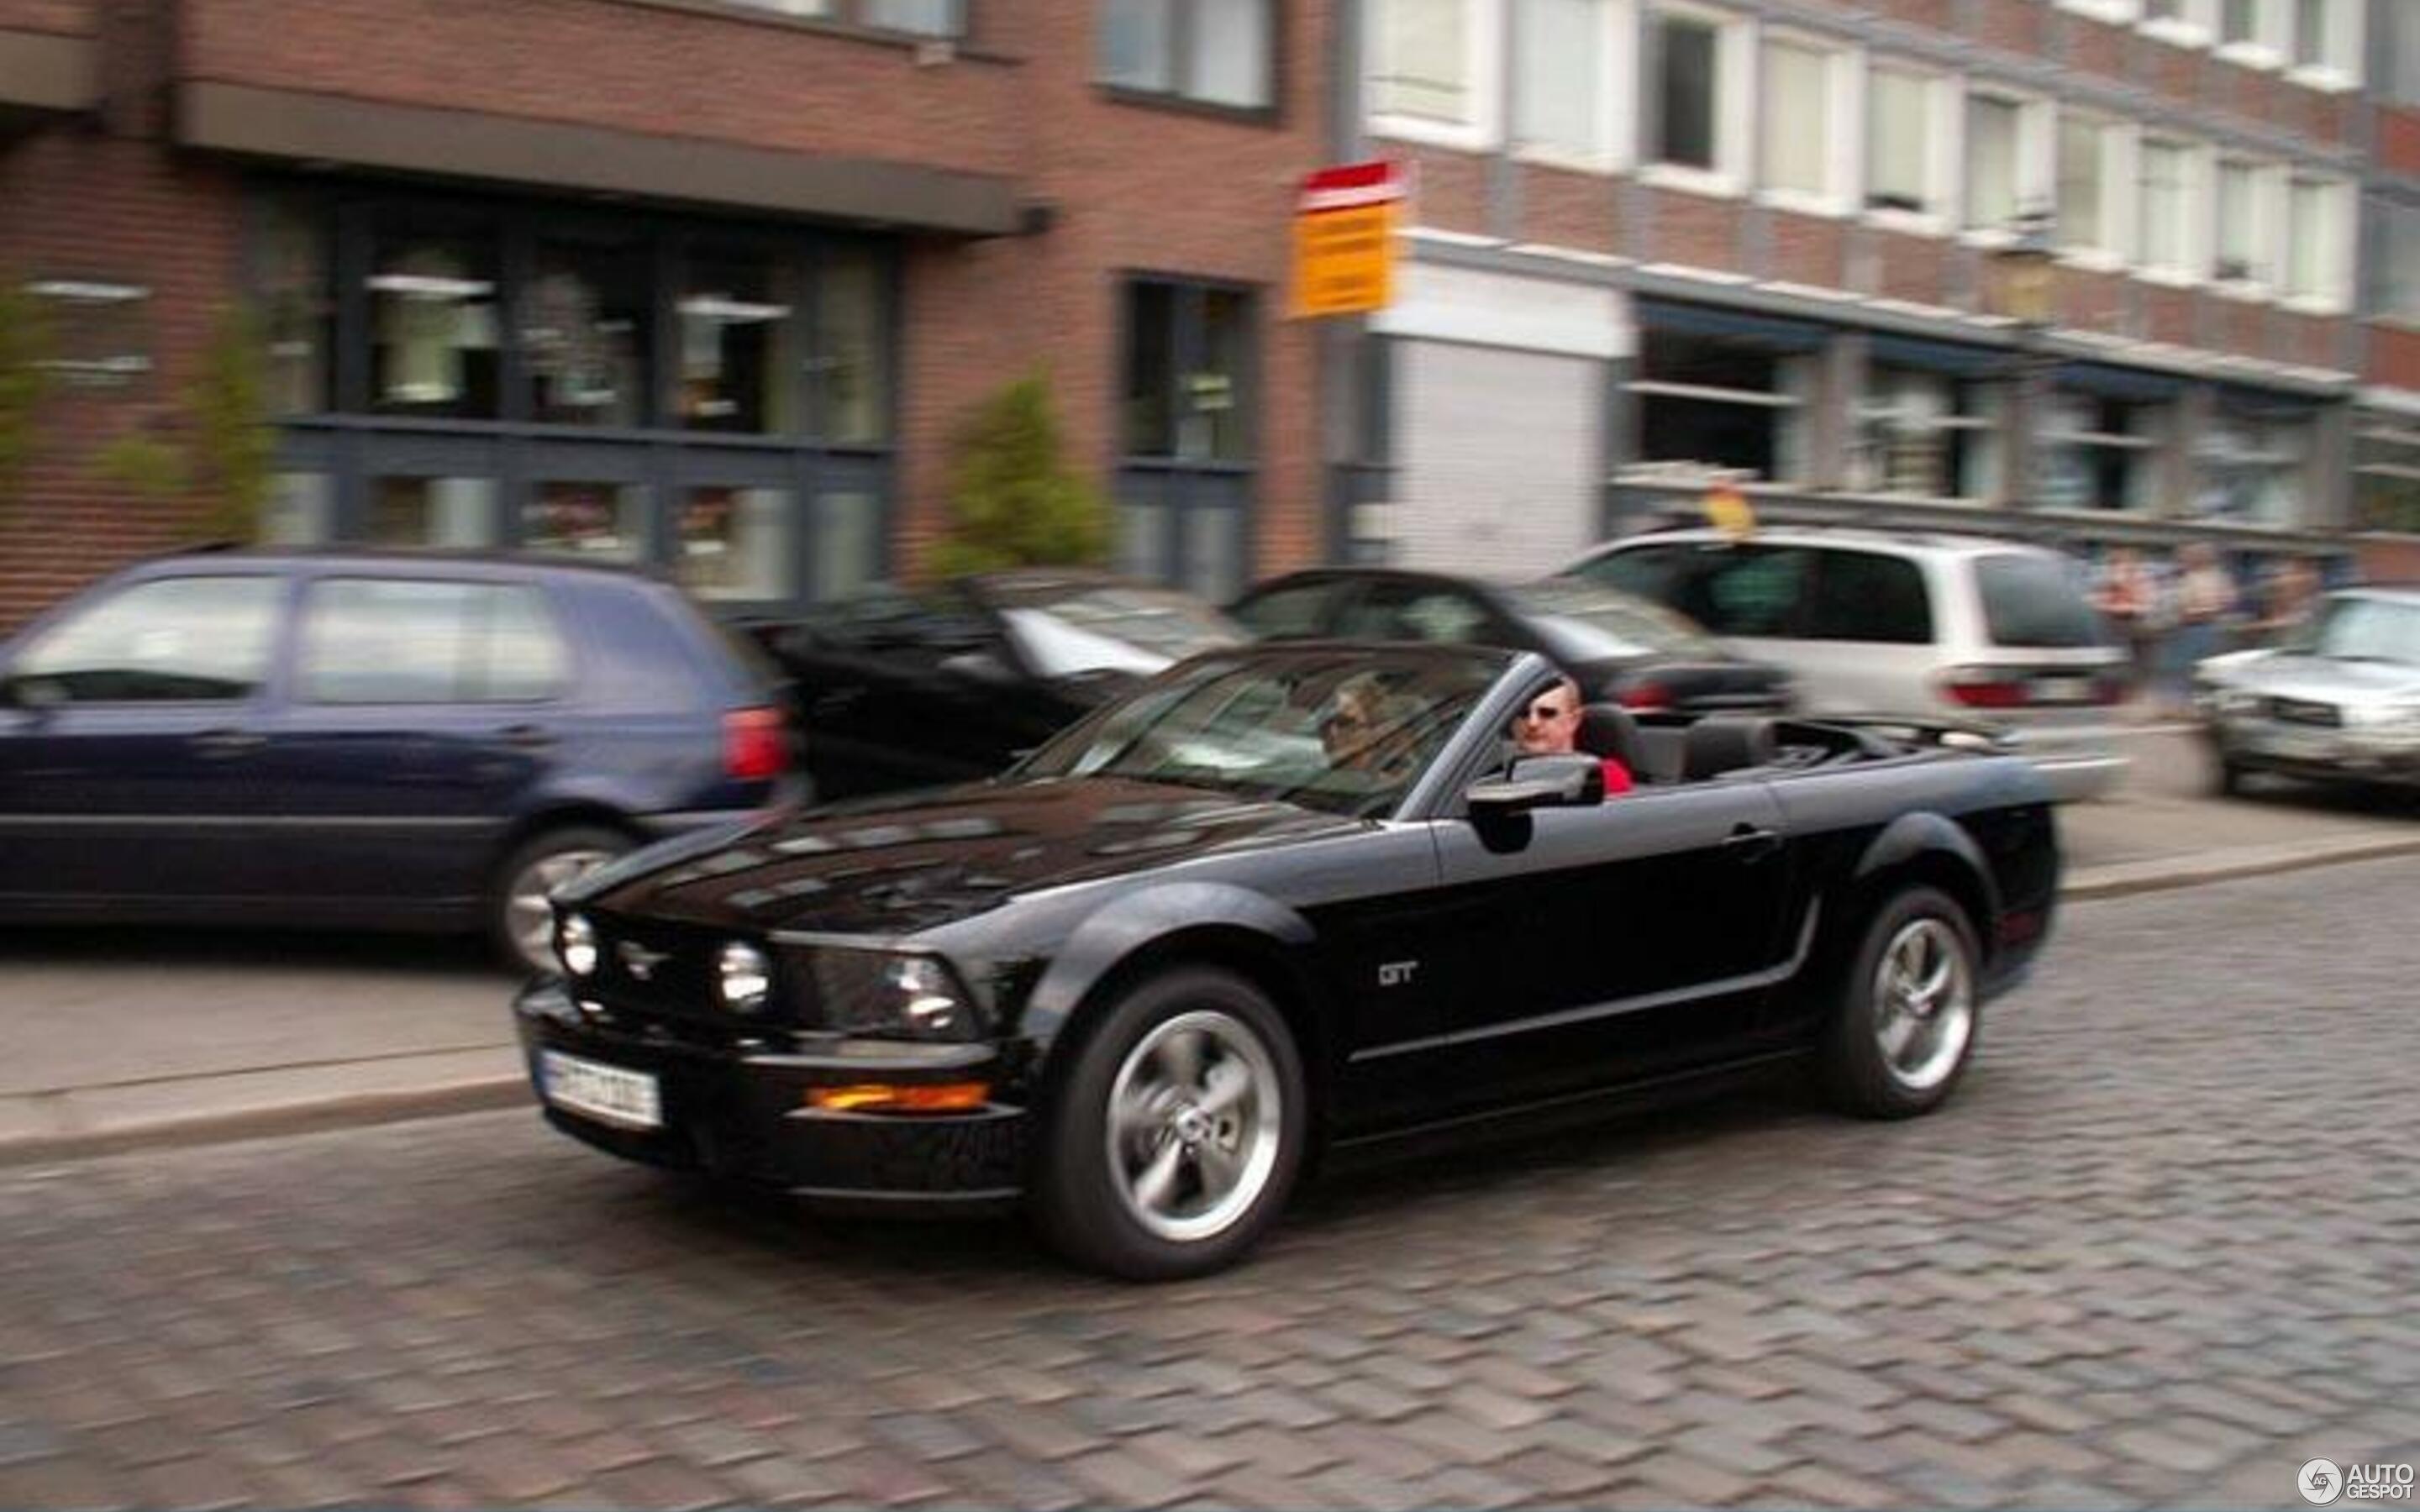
(1728, 511)
(1344, 260)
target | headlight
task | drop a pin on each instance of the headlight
(575, 941)
(743, 978)
(892, 996)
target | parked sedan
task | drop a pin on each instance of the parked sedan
(1280, 900)
(903, 689)
(2339, 703)
(395, 740)
(1622, 648)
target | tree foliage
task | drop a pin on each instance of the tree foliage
(1013, 501)
(24, 384)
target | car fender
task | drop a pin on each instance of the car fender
(1117, 933)
(1928, 841)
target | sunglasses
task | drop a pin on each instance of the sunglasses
(1547, 711)
(1344, 721)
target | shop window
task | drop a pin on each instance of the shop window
(301, 510)
(2387, 475)
(433, 326)
(853, 336)
(592, 521)
(1218, 52)
(734, 543)
(736, 374)
(1726, 402)
(584, 323)
(2253, 466)
(1928, 435)
(1564, 84)
(849, 545)
(432, 512)
(292, 290)
(2102, 453)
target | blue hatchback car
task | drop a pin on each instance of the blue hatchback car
(413, 741)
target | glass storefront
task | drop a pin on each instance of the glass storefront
(616, 387)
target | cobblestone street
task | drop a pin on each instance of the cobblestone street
(2160, 1250)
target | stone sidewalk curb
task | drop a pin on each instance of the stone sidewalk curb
(82, 1122)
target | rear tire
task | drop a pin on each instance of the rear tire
(1903, 1030)
(518, 918)
(1176, 1138)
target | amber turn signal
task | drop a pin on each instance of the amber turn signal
(885, 1096)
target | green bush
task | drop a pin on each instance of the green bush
(1014, 502)
(25, 382)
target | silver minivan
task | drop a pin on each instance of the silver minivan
(1914, 625)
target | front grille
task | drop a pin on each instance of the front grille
(650, 967)
(2306, 711)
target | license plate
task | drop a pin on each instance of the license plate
(2062, 690)
(608, 1093)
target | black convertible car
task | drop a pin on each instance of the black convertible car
(1278, 902)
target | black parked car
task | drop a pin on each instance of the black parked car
(388, 739)
(1622, 649)
(902, 689)
(1219, 925)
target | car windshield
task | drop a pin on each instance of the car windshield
(1582, 622)
(1067, 630)
(2365, 629)
(1345, 732)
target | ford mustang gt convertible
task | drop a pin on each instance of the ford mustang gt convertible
(1277, 904)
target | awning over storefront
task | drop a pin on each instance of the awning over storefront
(328, 131)
(41, 74)
(1709, 320)
(2133, 385)
(1955, 357)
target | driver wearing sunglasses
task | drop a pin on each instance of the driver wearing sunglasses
(1550, 726)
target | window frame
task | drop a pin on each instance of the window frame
(2118, 206)
(1842, 72)
(2193, 212)
(2034, 170)
(1733, 101)
(2195, 25)
(2265, 274)
(1483, 128)
(1944, 147)
(2338, 65)
(2335, 256)
(1617, 127)
(1183, 50)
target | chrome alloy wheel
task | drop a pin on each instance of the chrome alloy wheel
(1194, 1119)
(528, 917)
(1924, 1004)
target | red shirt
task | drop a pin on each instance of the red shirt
(1616, 777)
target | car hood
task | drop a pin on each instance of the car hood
(2286, 674)
(895, 866)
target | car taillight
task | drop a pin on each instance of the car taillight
(1647, 696)
(1981, 688)
(2108, 690)
(755, 745)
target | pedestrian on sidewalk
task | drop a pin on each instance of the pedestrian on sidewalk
(2128, 596)
(2205, 606)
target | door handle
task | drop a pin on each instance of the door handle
(220, 745)
(526, 737)
(1752, 842)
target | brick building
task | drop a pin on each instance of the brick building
(2386, 448)
(1661, 240)
(706, 283)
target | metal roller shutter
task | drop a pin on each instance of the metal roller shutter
(1498, 459)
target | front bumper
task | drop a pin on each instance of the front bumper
(2255, 743)
(742, 1112)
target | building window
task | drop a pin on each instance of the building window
(439, 511)
(853, 343)
(1215, 51)
(738, 370)
(1928, 435)
(2087, 209)
(2242, 255)
(2399, 50)
(1902, 145)
(2397, 296)
(1696, 81)
(917, 18)
(1431, 63)
(1723, 401)
(433, 348)
(1804, 149)
(2387, 474)
(586, 320)
(591, 521)
(291, 289)
(2101, 452)
(2239, 23)
(2253, 464)
(2319, 236)
(2164, 176)
(1564, 79)
(1994, 128)
(734, 543)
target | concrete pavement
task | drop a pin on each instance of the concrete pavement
(126, 1038)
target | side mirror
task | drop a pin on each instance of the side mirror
(1539, 782)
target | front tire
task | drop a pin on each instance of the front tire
(1903, 1030)
(520, 921)
(1177, 1137)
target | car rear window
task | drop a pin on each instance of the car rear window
(2035, 601)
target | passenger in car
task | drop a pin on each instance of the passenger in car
(1550, 726)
